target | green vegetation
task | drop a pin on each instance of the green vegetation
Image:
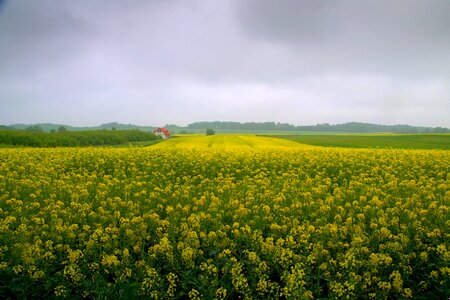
(418, 141)
(34, 128)
(49, 127)
(209, 131)
(247, 127)
(136, 144)
(324, 127)
(73, 138)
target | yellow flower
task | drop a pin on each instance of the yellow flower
(407, 293)
(172, 280)
(221, 293)
(73, 273)
(60, 291)
(17, 269)
(125, 253)
(194, 295)
(397, 281)
(188, 255)
(110, 260)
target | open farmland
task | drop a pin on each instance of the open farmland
(228, 142)
(386, 141)
(224, 217)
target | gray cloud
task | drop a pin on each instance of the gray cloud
(400, 37)
(156, 62)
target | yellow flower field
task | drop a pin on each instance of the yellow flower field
(247, 217)
(228, 142)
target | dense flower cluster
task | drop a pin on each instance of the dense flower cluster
(224, 223)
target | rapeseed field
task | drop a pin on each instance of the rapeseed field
(224, 217)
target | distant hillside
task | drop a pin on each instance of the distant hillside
(47, 127)
(325, 127)
(247, 127)
(120, 126)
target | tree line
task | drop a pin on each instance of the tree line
(63, 138)
(323, 127)
(238, 126)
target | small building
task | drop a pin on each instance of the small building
(162, 132)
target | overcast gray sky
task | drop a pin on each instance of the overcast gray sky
(304, 62)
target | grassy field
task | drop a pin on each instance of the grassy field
(394, 141)
(224, 217)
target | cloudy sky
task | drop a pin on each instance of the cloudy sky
(155, 62)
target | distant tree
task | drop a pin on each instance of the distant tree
(209, 131)
(34, 128)
(183, 132)
(114, 128)
(440, 130)
(62, 129)
(404, 129)
(52, 131)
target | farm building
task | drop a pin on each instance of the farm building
(163, 132)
